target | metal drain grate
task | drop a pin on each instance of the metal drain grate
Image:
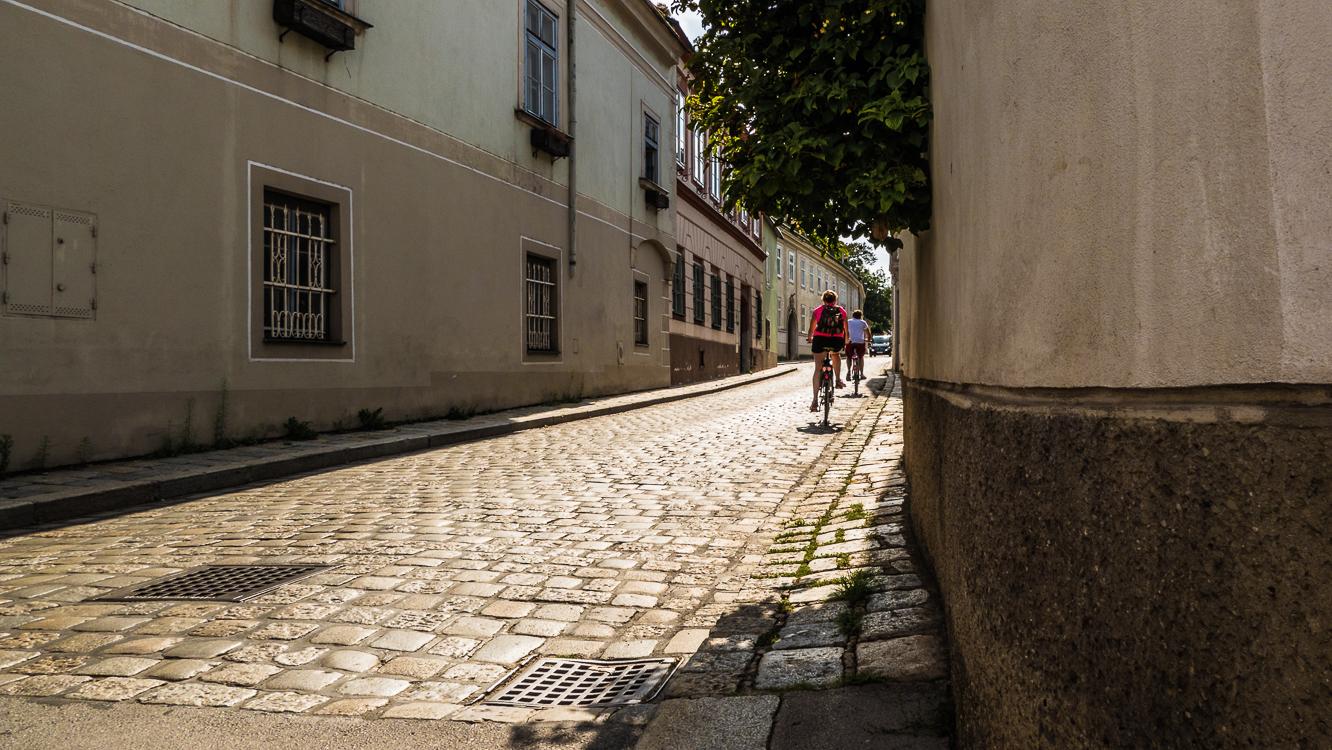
(584, 682)
(216, 583)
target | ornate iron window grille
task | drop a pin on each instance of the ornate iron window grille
(297, 246)
(541, 336)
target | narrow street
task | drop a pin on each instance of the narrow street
(643, 534)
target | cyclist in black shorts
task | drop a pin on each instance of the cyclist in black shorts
(827, 335)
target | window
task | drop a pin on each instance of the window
(542, 63)
(678, 289)
(700, 156)
(298, 239)
(843, 294)
(640, 314)
(818, 275)
(698, 293)
(651, 149)
(803, 327)
(758, 314)
(790, 259)
(779, 261)
(681, 130)
(780, 319)
(730, 305)
(714, 179)
(716, 300)
(542, 336)
(802, 273)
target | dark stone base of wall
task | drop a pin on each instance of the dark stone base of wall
(695, 360)
(1114, 580)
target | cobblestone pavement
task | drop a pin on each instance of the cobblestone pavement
(646, 533)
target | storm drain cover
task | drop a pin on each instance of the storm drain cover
(216, 583)
(584, 682)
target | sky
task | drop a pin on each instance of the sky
(692, 24)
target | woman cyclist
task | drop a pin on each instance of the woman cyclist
(827, 334)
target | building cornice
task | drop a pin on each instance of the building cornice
(687, 194)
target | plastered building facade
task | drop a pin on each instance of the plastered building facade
(197, 192)
(1118, 373)
(801, 274)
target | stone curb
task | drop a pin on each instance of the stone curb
(58, 506)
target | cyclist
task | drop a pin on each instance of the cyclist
(857, 335)
(827, 334)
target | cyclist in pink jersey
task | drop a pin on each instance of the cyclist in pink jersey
(827, 335)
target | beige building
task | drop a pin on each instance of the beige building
(717, 322)
(1118, 370)
(801, 274)
(333, 206)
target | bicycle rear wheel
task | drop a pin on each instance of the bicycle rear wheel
(827, 399)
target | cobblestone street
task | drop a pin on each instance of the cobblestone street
(701, 529)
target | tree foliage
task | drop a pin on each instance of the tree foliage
(878, 304)
(819, 108)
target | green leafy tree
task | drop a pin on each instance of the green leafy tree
(878, 304)
(819, 109)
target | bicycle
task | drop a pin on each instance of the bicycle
(826, 379)
(857, 371)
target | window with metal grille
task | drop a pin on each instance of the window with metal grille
(541, 332)
(640, 314)
(298, 244)
(651, 149)
(716, 301)
(758, 314)
(678, 289)
(698, 293)
(730, 305)
(542, 63)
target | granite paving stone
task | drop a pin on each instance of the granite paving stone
(630, 535)
(811, 666)
(113, 689)
(118, 666)
(42, 685)
(899, 622)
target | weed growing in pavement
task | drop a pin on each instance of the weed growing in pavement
(850, 621)
(83, 454)
(43, 452)
(372, 420)
(769, 638)
(220, 439)
(795, 523)
(298, 430)
(844, 561)
(187, 444)
(785, 550)
(6, 448)
(840, 536)
(785, 607)
(855, 588)
(457, 413)
(856, 513)
(802, 571)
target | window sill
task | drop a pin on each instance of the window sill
(542, 353)
(527, 118)
(317, 342)
(647, 184)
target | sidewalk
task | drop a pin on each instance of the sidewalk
(32, 499)
(881, 657)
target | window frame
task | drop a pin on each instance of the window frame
(716, 299)
(678, 289)
(339, 343)
(700, 173)
(682, 132)
(758, 314)
(730, 304)
(640, 313)
(541, 259)
(700, 316)
(780, 261)
(651, 148)
(552, 49)
(791, 259)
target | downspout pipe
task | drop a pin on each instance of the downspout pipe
(573, 141)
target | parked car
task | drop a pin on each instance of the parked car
(881, 345)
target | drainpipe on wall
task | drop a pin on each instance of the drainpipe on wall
(573, 142)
